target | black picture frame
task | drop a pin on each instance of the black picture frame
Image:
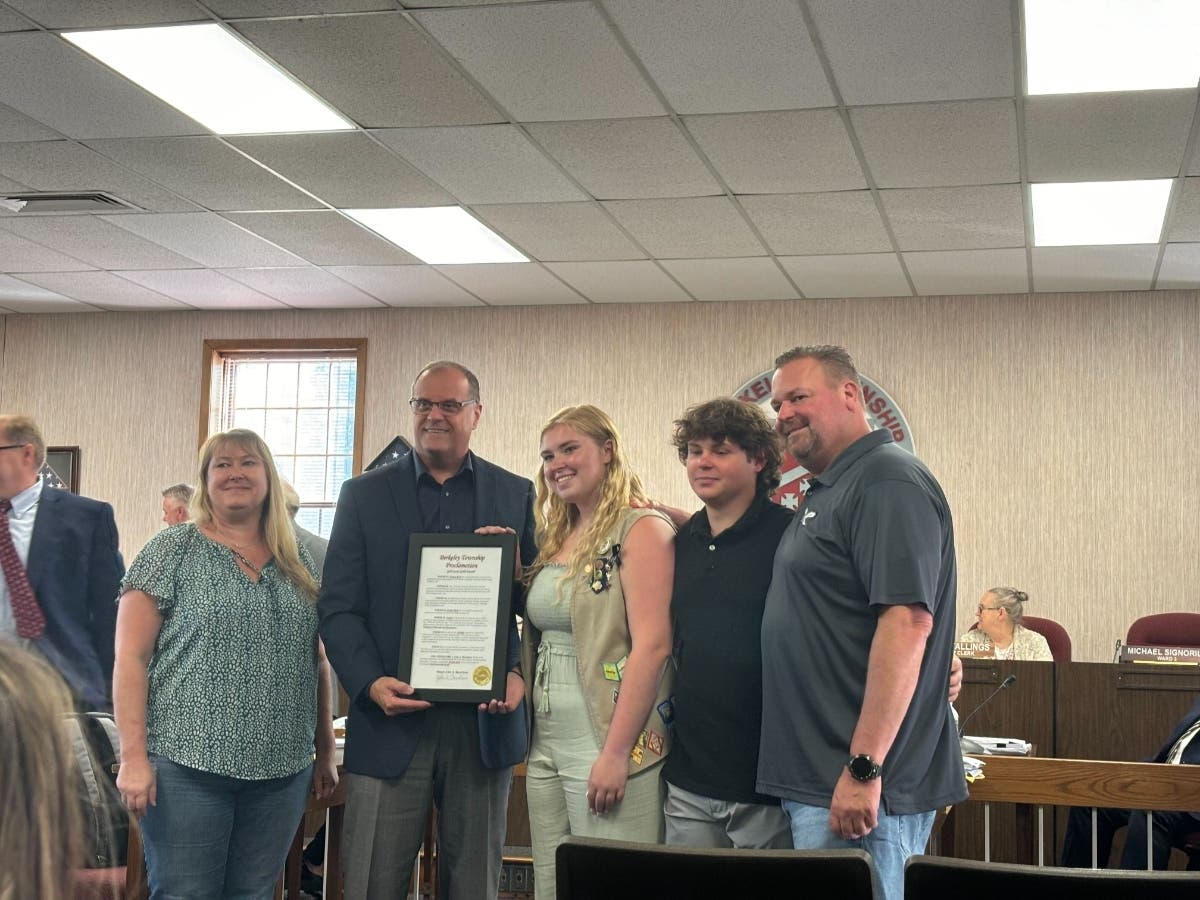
(62, 465)
(395, 451)
(496, 687)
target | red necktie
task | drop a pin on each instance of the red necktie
(30, 621)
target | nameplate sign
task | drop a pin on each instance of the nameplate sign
(973, 650)
(1144, 653)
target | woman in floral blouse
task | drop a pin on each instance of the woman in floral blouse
(220, 684)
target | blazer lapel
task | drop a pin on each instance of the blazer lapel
(402, 482)
(45, 529)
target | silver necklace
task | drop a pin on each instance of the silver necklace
(236, 549)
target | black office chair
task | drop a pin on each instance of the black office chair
(593, 869)
(934, 878)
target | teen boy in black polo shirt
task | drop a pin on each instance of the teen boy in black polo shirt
(723, 560)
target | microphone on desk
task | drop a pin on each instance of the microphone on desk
(1117, 651)
(1006, 683)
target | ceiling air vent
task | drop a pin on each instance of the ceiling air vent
(63, 202)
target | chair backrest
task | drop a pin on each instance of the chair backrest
(1056, 636)
(593, 869)
(1174, 629)
(929, 877)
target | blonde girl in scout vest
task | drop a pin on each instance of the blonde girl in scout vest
(597, 638)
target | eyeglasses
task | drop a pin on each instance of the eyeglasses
(14, 446)
(980, 608)
(449, 407)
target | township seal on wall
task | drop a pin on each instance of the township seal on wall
(882, 412)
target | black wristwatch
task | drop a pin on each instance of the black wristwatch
(863, 768)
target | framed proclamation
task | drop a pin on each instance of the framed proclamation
(457, 612)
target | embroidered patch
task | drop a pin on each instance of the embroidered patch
(616, 694)
(621, 665)
(655, 743)
(612, 671)
(641, 741)
(636, 755)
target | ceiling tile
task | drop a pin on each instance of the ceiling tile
(633, 281)
(1107, 137)
(102, 289)
(818, 223)
(107, 13)
(100, 103)
(560, 231)
(756, 278)
(1185, 224)
(957, 218)
(206, 238)
(345, 170)
(699, 53)
(11, 21)
(511, 284)
(202, 288)
(205, 171)
(66, 166)
(15, 126)
(15, 292)
(9, 186)
(627, 158)
(306, 288)
(893, 51)
(483, 163)
(1126, 267)
(406, 285)
(233, 9)
(427, 4)
(852, 275)
(545, 61)
(95, 241)
(780, 152)
(939, 273)
(939, 144)
(687, 228)
(1180, 267)
(324, 238)
(377, 69)
(20, 255)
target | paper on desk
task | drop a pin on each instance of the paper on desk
(1001, 746)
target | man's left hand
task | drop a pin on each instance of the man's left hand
(854, 811)
(514, 692)
(956, 677)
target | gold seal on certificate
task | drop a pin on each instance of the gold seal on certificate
(457, 616)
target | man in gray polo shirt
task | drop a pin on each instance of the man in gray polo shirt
(858, 630)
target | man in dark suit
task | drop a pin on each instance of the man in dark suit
(1182, 747)
(59, 587)
(401, 753)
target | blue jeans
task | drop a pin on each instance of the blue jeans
(893, 841)
(211, 836)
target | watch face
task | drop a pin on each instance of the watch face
(862, 768)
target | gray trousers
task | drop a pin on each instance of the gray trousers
(385, 818)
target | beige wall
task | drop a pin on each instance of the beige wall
(1059, 425)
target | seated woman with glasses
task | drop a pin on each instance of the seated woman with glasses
(998, 622)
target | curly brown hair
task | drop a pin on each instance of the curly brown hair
(740, 423)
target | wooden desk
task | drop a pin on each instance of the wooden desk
(1082, 711)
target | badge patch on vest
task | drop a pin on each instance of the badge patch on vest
(636, 755)
(666, 711)
(655, 743)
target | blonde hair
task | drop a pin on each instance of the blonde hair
(275, 523)
(40, 829)
(555, 518)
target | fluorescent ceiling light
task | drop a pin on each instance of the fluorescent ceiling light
(1075, 46)
(1099, 212)
(207, 73)
(439, 235)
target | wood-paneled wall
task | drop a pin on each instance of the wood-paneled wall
(1059, 425)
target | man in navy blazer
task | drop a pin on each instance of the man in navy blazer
(402, 754)
(68, 545)
(1169, 827)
